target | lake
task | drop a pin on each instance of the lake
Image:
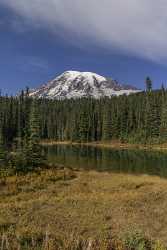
(106, 159)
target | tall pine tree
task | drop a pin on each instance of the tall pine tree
(34, 152)
(163, 127)
(148, 84)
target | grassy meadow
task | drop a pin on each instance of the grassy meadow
(69, 209)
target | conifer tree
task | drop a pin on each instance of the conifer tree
(34, 152)
(123, 121)
(74, 128)
(83, 127)
(163, 127)
(107, 125)
(27, 106)
(162, 88)
(18, 160)
(155, 123)
(148, 84)
(152, 117)
(2, 146)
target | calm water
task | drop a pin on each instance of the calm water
(101, 159)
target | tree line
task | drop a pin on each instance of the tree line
(137, 118)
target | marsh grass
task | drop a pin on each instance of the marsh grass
(135, 241)
(61, 208)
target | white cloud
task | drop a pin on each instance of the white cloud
(137, 27)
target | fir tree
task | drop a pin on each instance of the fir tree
(107, 125)
(83, 127)
(2, 146)
(163, 127)
(34, 150)
(162, 88)
(152, 117)
(148, 84)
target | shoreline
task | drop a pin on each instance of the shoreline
(111, 144)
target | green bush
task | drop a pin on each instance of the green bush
(136, 241)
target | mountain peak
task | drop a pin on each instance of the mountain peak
(76, 84)
(86, 75)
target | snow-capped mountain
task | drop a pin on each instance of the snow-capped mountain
(75, 84)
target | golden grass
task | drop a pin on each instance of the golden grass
(67, 204)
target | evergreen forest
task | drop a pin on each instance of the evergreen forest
(24, 122)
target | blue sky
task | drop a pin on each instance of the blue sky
(39, 42)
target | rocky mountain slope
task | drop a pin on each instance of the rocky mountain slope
(75, 84)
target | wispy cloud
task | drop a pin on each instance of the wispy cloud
(37, 63)
(136, 27)
(32, 63)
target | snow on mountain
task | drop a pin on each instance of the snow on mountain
(75, 84)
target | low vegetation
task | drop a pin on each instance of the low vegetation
(69, 209)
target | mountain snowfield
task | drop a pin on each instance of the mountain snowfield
(75, 84)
